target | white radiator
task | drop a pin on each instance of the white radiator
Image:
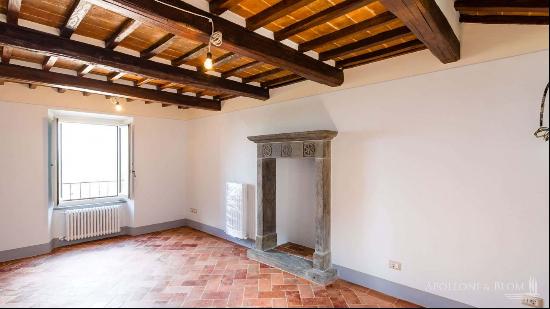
(92, 222)
(235, 210)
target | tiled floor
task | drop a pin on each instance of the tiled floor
(177, 268)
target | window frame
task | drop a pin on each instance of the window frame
(59, 117)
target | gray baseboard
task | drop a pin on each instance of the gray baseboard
(397, 290)
(21, 253)
(136, 231)
(214, 231)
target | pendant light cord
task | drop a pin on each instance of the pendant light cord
(215, 37)
(542, 132)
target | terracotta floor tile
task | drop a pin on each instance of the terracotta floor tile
(175, 268)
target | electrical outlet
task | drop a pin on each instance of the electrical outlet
(532, 301)
(194, 211)
(395, 265)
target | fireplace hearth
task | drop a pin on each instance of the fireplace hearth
(313, 145)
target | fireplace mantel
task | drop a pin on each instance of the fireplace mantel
(321, 135)
(314, 145)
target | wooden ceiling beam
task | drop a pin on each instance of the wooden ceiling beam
(27, 75)
(77, 13)
(122, 33)
(192, 54)
(85, 69)
(158, 47)
(369, 24)
(495, 6)
(283, 81)
(275, 12)
(426, 20)
(6, 54)
(504, 19)
(49, 62)
(240, 69)
(51, 45)
(143, 82)
(386, 53)
(259, 76)
(236, 39)
(321, 18)
(220, 6)
(366, 43)
(115, 76)
(12, 14)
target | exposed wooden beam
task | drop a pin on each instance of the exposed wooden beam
(496, 6)
(283, 81)
(32, 86)
(236, 38)
(12, 15)
(85, 69)
(265, 74)
(49, 62)
(239, 69)
(52, 45)
(86, 94)
(60, 90)
(168, 86)
(275, 12)
(321, 18)
(122, 33)
(77, 13)
(6, 54)
(396, 50)
(224, 97)
(366, 43)
(220, 6)
(426, 20)
(160, 46)
(505, 19)
(192, 54)
(143, 82)
(115, 76)
(26, 75)
(218, 62)
(375, 22)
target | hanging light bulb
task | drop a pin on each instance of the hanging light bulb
(118, 106)
(208, 63)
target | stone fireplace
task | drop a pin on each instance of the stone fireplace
(312, 145)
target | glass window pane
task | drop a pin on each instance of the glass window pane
(124, 159)
(88, 161)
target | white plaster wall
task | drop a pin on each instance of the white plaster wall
(24, 215)
(439, 171)
(23, 175)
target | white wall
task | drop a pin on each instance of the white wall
(439, 171)
(24, 217)
(23, 176)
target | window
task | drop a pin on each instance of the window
(93, 160)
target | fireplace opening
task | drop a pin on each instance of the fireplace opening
(296, 207)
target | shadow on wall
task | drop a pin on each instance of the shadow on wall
(355, 195)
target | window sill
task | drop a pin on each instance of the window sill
(91, 203)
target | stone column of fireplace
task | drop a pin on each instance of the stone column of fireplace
(322, 256)
(314, 145)
(266, 227)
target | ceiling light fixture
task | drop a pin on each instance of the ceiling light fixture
(118, 106)
(216, 37)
